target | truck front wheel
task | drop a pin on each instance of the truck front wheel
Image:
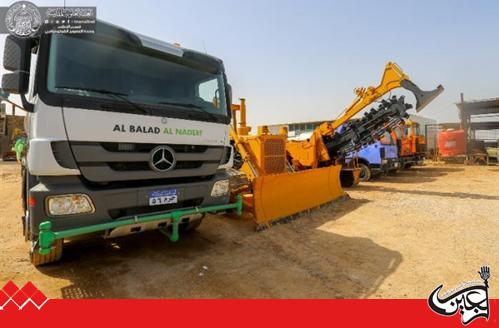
(365, 172)
(28, 181)
(55, 255)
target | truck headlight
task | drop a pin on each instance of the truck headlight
(69, 204)
(220, 188)
(384, 161)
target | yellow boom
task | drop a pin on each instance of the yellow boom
(312, 152)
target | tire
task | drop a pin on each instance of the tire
(24, 187)
(407, 165)
(26, 226)
(55, 255)
(365, 173)
(347, 179)
(28, 181)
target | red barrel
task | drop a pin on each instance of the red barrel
(451, 143)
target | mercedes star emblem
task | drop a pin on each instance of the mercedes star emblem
(162, 159)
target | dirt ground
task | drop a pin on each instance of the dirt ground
(396, 237)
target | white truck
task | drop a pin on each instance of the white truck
(126, 133)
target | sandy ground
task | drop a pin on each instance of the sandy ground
(397, 237)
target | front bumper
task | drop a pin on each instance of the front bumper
(47, 237)
(112, 205)
(389, 165)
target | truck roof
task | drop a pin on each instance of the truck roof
(121, 33)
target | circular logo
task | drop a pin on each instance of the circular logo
(162, 159)
(23, 19)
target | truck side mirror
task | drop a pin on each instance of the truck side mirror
(17, 59)
(15, 82)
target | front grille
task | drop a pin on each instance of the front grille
(226, 155)
(62, 154)
(146, 148)
(274, 160)
(142, 183)
(113, 161)
(144, 166)
(274, 146)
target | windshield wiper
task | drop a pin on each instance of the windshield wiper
(117, 95)
(189, 105)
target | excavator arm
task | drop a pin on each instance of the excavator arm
(309, 153)
(393, 78)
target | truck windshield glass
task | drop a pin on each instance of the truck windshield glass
(92, 69)
(398, 132)
(386, 139)
(416, 131)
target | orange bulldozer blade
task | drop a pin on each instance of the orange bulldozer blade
(278, 196)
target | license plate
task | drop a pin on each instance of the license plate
(162, 197)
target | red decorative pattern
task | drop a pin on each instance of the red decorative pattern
(11, 296)
(220, 313)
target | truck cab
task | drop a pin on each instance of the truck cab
(410, 142)
(123, 131)
(377, 158)
(417, 141)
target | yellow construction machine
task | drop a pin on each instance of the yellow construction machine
(325, 148)
(282, 177)
(271, 189)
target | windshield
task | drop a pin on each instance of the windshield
(92, 69)
(386, 139)
(398, 132)
(417, 130)
(407, 131)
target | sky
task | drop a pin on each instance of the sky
(300, 60)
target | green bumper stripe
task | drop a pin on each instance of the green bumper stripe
(47, 237)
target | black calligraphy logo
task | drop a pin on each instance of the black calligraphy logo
(471, 301)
